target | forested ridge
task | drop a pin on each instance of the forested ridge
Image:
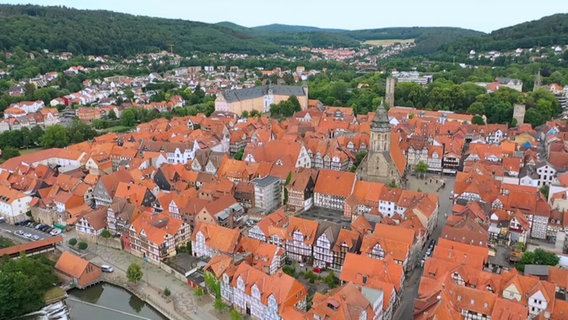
(547, 31)
(105, 32)
(101, 32)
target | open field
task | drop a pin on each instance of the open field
(31, 150)
(388, 42)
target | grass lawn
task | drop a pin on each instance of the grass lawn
(388, 42)
(117, 129)
(54, 294)
(5, 243)
(31, 150)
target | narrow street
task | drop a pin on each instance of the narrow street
(405, 309)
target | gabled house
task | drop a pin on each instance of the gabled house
(261, 231)
(345, 303)
(209, 240)
(81, 272)
(156, 236)
(93, 223)
(375, 274)
(300, 239)
(326, 236)
(119, 215)
(333, 188)
(348, 241)
(301, 190)
(253, 292)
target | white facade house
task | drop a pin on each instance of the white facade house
(92, 224)
(546, 174)
(255, 293)
(13, 204)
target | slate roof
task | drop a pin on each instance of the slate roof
(260, 91)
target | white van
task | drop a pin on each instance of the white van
(106, 268)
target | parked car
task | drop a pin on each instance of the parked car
(19, 232)
(55, 232)
(35, 237)
(28, 235)
(2, 219)
(106, 268)
(39, 226)
(48, 229)
(22, 223)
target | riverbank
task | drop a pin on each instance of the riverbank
(141, 291)
(109, 301)
(181, 304)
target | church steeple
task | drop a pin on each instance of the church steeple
(537, 81)
(381, 121)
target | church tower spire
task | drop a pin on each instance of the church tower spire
(380, 130)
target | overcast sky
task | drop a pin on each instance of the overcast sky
(482, 15)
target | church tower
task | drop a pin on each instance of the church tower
(537, 81)
(380, 130)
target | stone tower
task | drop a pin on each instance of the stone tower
(537, 81)
(389, 91)
(519, 111)
(378, 165)
(380, 131)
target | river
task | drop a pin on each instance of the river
(106, 301)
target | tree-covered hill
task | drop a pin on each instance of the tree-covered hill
(34, 27)
(293, 28)
(106, 32)
(547, 31)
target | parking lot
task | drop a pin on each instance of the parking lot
(324, 214)
(27, 231)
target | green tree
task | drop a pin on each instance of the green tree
(213, 284)
(35, 134)
(134, 272)
(288, 178)
(24, 282)
(239, 154)
(106, 234)
(538, 256)
(476, 108)
(167, 292)
(245, 114)
(331, 280)
(235, 315)
(545, 189)
(79, 131)
(10, 152)
(55, 136)
(111, 115)
(477, 120)
(359, 157)
(83, 245)
(19, 289)
(421, 167)
(128, 117)
(72, 241)
(219, 305)
(198, 292)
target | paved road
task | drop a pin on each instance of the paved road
(412, 282)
